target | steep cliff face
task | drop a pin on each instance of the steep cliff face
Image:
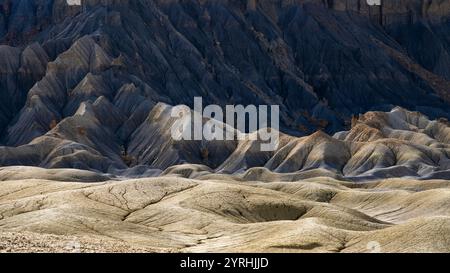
(390, 12)
(19, 17)
(22, 20)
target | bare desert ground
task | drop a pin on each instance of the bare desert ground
(219, 213)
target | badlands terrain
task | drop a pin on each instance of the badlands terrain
(221, 213)
(322, 194)
(87, 161)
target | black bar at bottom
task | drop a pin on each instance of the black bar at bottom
(186, 262)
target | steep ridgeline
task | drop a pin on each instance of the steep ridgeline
(79, 84)
(379, 145)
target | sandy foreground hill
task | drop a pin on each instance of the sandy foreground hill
(219, 213)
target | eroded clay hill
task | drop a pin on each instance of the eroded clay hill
(379, 145)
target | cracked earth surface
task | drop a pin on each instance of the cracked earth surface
(173, 214)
